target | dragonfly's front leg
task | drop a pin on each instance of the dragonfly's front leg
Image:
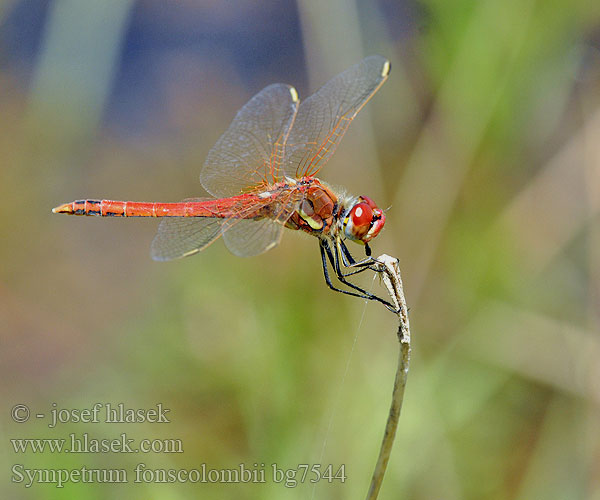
(334, 259)
(326, 253)
(349, 262)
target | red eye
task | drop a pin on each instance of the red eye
(368, 201)
(362, 215)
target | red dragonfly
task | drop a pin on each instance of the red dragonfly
(261, 173)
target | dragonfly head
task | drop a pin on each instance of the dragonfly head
(363, 221)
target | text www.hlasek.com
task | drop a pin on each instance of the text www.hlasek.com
(85, 444)
(290, 478)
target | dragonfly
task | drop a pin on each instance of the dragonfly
(261, 174)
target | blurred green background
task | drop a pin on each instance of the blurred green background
(484, 146)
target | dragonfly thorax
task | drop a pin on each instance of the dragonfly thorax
(318, 209)
(321, 213)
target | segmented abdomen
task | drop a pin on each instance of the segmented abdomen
(240, 207)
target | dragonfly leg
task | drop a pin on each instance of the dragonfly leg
(334, 259)
(326, 253)
(349, 262)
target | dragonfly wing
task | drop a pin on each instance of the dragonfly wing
(252, 149)
(182, 236)
(249, 237)
(324, 117)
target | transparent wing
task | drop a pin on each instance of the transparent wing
(252, 149)
(248, 237)
(182, 236)
(324, 117)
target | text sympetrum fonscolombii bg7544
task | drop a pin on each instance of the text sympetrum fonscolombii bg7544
(261, 173)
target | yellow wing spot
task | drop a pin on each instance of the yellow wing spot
(271, 245)
(294, 94)
(190, 252)
(386, 69)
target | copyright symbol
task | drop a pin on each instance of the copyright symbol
(20, 413)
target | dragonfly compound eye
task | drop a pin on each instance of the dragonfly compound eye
(376, 224)
(358, 221)
(362, 215)
(368, 201)
(364, 221)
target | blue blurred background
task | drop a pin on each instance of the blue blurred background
(483, 146)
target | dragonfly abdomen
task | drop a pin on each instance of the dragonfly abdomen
(204, 208)
(111, 208)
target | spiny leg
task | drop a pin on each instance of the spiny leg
(364, 264)
(342, 277)
(349, 262)
(334, 260)
(327, 254)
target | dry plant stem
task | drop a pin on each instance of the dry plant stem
(390, 273)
